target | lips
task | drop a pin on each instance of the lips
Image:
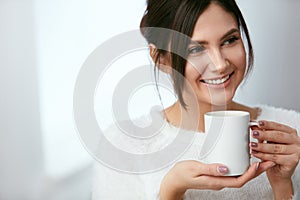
(217, 81)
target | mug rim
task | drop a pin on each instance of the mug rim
(227, 113)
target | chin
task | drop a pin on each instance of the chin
(221, 100)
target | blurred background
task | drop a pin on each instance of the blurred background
(43, 45)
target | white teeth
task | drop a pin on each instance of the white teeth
(217, 81)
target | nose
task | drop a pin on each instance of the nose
(219, 63)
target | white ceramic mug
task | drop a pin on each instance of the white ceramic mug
(227, 140)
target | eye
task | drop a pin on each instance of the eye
(231, 40)
(195, 50)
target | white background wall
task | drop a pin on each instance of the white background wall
(44, 43)
(21, 152)
(275, 27)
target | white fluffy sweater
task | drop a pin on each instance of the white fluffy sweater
(110, 184)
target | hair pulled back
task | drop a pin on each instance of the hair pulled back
(181, 16)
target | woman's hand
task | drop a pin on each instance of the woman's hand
(280, 144)
(196, 175)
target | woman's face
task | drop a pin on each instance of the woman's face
(217, 62)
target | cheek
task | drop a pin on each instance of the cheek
(191, 73)
(196, 67)
(241, 60)
(237, 57)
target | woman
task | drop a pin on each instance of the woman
(215, 28)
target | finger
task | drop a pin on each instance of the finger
(215, 169)
(218, 183)
(248, 175)
(272, 148)
(290, 159)
(276, 126)
(255, 128)
(264, 166)
(274, 136)
(253, 171)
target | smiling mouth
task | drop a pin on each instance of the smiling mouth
(217, 81)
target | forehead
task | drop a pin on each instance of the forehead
(213, 22)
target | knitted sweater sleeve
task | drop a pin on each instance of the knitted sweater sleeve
(110, 182)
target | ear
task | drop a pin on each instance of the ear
(164, 60)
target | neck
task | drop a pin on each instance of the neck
(193, 119)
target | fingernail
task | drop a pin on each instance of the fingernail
(254, 152)
(273, 164)
(257, 166)
(253, 144)
(222, 169)
(261, 123)
(255, 133)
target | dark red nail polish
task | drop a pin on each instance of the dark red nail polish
(255, 133)
(254, 152)
(253, 144)
(222, 170)
(257, 166)
(261, 123)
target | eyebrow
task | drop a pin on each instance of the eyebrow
(231, 31)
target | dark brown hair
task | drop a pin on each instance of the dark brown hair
(181, 16)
